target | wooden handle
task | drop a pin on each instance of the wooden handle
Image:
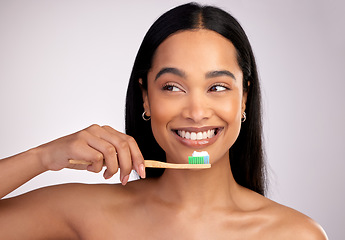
(154, 164)
(157, 164)
(79, 162)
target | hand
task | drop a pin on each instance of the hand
(102, 146)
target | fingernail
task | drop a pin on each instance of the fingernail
(142, 171)
(125, 180)
(106, 175)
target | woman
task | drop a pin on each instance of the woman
(194, 86)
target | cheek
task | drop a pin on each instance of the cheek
(229, 108)
(162, 112)
(230, 113)
(162, 109)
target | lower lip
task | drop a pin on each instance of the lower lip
(198, 143)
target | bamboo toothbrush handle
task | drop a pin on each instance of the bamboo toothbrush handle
(158, 164)
(79, 162)
(155, 164)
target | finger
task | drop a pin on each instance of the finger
(135, 153)
(86, 153)
(109, 156)
(118, 140)
(137, 158)
(128, 150)
(124, 159)
(114, 138)
(112, 167)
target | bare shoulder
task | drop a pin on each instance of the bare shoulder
(277, 221)
(43, 213)
(93, 200)
(289, 223)
(78, 196)
(64, 198)
(61, 211)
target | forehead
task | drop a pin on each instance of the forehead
(203, 48)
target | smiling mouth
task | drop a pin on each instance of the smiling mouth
(201, 135)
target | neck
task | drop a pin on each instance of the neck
(198, 188)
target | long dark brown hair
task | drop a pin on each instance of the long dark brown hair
(246, 154)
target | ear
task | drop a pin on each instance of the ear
(244, 98)
(146, 103)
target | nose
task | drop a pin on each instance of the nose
(197, 108)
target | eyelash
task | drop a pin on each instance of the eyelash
(219, 85)
(172, 85)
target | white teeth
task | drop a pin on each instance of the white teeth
(187, 136)
(199, 136)
(193, 136)
(196, 135)
(211, 133)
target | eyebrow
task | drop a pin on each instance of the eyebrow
(174, 71)
(180, 73)
(213, 74)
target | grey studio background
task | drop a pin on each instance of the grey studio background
(64, 65)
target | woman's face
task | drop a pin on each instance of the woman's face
(195, 96)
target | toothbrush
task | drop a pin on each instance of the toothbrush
(198, 160)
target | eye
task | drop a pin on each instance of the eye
(171, 87)
(218, 88)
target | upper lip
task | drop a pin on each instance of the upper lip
(195, 129)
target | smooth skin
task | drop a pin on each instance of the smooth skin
(189, 88)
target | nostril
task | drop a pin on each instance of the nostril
(196, 108)
(197, 114)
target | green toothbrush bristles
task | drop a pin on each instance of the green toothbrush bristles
(199, 160)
